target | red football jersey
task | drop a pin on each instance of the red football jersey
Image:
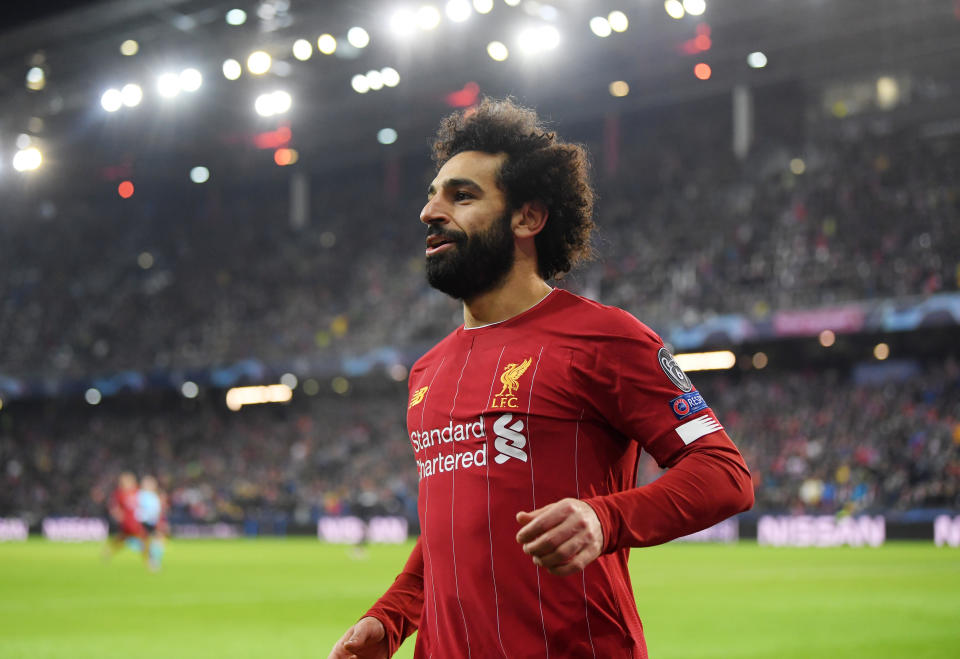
(555, 402)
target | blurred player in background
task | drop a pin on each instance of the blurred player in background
(527, 422)
(150, 515)
(122, 507)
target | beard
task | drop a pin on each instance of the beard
(476, 264)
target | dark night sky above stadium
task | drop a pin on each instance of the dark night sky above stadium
(18, 14)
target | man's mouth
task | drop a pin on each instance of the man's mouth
(437, 243)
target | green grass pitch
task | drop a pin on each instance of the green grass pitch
(294, 597)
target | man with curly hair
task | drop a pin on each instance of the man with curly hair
(527, 421)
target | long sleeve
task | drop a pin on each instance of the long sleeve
(708, 483)
(399, 608)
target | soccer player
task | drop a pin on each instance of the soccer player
(527, 422)
(122, 507)
(149, 513)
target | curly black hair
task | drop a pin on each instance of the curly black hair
(539, 167)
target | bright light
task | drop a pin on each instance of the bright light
(145, 260)
(274, 393)
(797, 166)
(756, 60)
(232, 69)
(326, 44)
(827, 338)
(881, 351)
(129, 48)
(539, 39)
(360, 84)
(168, 85)
(112, 100)
(619, 88)
(483, 6)
(458, 10)
(387, 136)
(618, 21)
(92, 396)
(695, 7)
(27, 160)
(428, 18)
(190, 80)
(358, 37)
(23, 141)
(125, 189)
(289, 380)
(340, 385)
(497, 51)
(403, 22)
(200, 174)
(706, 361)
(674, 9)
(189, 389)
(600, 26)
(36, 79)
(259, 62)
(273, 103)
(375, 80)
(284, 157)
(511, 3)
(302, 49)
(390, 76)
(702, 71)
(236, 17)
(760, 360)
(131, 95)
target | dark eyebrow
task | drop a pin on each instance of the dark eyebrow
(455, 183)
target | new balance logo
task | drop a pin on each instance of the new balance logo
(509, 442)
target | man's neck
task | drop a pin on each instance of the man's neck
(520, 291)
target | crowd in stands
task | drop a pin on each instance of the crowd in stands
(815, 442)
(217, 274)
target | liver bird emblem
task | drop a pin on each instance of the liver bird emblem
(511, 374)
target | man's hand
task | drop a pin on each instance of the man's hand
(563, 537)
(365, 640)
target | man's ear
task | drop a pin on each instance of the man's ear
(530, 219)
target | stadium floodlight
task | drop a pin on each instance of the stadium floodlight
(236, 17)
(695, 7)
(458, 11)
(259, 62)
(360, 84)
(702, 70)
(706, 361)
(881, 351)
(539, 39)
(111, 100)
(674, 9)
(289, 380)
(619, 88)
(93, 396)
(131, 95)
(497, 51)
(232, 69)
(403, 22)
(390, 76)
(189, 389)
(27, 160)
(387, 136)
(302, 50)
(428, 18)
(282, 102)
(511, 3)
(277, 102)
(199, 174)
(327, 44)
(618, 21)
(358, 37)
(600, 26)
(375, 80)
(129, 48)
(273, 393)
(190, 80)
(36, 79)
(23, 141)
(483, 6)
(756, 60)
(168, 85)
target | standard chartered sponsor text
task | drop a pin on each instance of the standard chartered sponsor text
(452, 432)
